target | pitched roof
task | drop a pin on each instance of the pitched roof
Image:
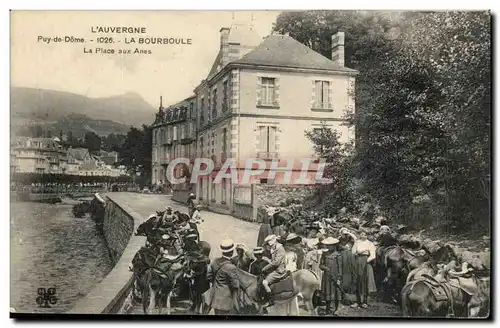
(77, 153)
(285, 51)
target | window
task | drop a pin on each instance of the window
(267, 140)
(202, 109)
(325, 131)
(213, 143)
(214, 103)
(191, 110)
(225, 102)
(200, 192)
(224, 141)
(223, 191)
(201, 146)
(213, 192)
(322, 93)
(268, 91)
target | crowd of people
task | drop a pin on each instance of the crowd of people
(345, 261)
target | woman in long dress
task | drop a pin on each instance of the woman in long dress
(264, 231)
(364, 252)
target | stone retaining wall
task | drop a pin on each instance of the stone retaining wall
(272, 195)
(112, 293)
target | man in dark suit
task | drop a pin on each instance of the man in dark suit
(224, 277)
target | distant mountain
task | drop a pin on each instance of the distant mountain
(69, 111)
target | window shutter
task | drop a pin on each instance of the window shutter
(272, 139)
(313, 94)
(330, 91)
(263, 138)
(259, 91)
(276, 100)
(318, 90)
(325, 100)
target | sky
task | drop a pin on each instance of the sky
(172, 71)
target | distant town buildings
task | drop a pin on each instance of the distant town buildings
(47, 156)
(257, 101)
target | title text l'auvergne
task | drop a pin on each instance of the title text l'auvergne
(118, 29)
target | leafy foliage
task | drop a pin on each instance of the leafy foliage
(135, 153)
(423, 112)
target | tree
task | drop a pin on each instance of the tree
(135, 153)
(423, 108)
(92, 142)
(113, 142)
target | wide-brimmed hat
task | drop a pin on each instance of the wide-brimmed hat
(227, 245)
(292, 236)
(258, 250)
(240, 246)
(151, 216)
(330, 241)
(199, 207)
(270, 238)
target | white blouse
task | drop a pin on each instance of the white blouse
(364, 245)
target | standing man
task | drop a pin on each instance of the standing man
(277, 265)
(224, 277)
(259, 263)
(190, 204)
(243, 258)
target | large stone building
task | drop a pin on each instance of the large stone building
(257, 101)
(174, 135)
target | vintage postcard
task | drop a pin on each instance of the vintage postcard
(256, 163)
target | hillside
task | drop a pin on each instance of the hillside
(58, 110)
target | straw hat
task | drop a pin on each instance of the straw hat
(258, 250)
(151, 216)
(270, 238)
(165, 237)
(191, 236)
(227, 245)
(292, 236)
(330, 241)
(344, 230)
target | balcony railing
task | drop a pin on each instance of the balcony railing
(267, 155)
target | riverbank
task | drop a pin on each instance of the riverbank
(51, 248)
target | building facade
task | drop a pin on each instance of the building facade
(48, 156)
(257, 102)
(37, 155)
(174, 136)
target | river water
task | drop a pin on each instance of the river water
(51, 248)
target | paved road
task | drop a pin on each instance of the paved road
(216, 228)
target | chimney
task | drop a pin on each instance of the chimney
(161, 102)
(224, 47)
(338, 48)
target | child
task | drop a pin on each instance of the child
(331, 264)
